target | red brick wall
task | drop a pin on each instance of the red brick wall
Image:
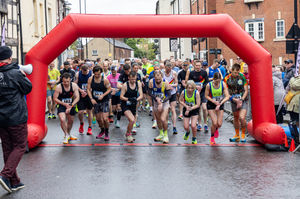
(240, 11)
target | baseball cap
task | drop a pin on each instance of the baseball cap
(113, 68)
(205, 63)
(289, 61)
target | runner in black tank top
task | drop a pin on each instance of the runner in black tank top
(131, 93)
(66, 96)
(98, 90)
(84, 103)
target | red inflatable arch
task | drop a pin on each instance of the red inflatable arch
(222, 26)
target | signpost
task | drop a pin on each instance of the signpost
(215, 51)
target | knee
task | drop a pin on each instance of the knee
(215, 123)
(219, 124)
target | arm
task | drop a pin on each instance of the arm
(150, 93)
(89, 91)
(181, 99)
(168, 92)
(207, 95)
(176, 81)
(123, 91)
(76, 78)
(226, 94)
(24, 84)
(108, 87)
(245, 93)
(198, 101)
(76, 94)
(187, 76)
(140, 91)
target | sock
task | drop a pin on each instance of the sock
(115, 113)
(119, 113)
(161, 131)
(81, 123)
(188, 132)
(166, 133)
(237, 133)
(90, 127)
(243, 132)
(102, 130)
(106, 131)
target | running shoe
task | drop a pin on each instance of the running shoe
(154, 124)
(117, 124)
(5, 183)
(53, 116)
(72, 137)
(66, 139)
(180, 117)
(89, 132)
(137, 124)
(186, 136)
(243, 139)
(234, 139)
(165, 139)
(129, 138)
(106, 137)
(159, 138)
(216, 134)
(194, 140)
(212, 140)
(81, 128)
(175, 131)
(133, 131)
(49, 116)
(199, 127)
(205, 128)
(100, 135)
(17, 186)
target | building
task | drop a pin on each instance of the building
(267, 21)
(26, 22)
(108, 48)
(180, 48)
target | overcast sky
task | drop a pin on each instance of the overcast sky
(115, 6)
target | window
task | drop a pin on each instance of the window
(256, 30)
(94, 52)
(36, 24)
(280, 29)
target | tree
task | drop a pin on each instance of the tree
(142, 47)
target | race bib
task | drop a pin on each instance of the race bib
(237, 96)
(128, 103)
(96, 94)
(218, 99)
(67, 100)
(159, 95)
(84, 87)
(199, 84)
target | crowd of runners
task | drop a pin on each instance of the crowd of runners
(106, 90)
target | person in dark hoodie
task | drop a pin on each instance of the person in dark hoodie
(13, 118)
(289, 73)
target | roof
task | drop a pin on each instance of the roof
(118, 43)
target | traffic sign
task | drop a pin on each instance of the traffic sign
(294, 31)
(173, 44)
(215, 51)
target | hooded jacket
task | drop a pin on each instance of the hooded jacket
(13, 86)
(288, 75)
(279, 91)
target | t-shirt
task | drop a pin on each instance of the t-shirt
(113, 80)
(236, 85)
(181, 76)
(223, 70)
(150, 69)
(200, 78)
(123, 78)
(71, 71)
(53, 75)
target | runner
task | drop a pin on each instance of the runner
(190, 100)
(213, 69)
(68, 69)
(216, 93)
(84, 103)
(106, 72)
(200, 77)
(160, 92)
(98, 90)
(53, 79)
(131, 93)
(115, 99)
(151, 76)
(238, 90)
(182, 85)
(66, 95)
(135, 68)
(171, 77)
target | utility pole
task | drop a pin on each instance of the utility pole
(199, 46)
(86, 43)
(295, 27)
(81, 46)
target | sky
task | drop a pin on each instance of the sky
(114, 6)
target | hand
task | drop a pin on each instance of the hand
(100, 97)
(199, 88)
(83, 94)
(218, 107)
(23, 72)
(239, 104)
(158, 100)
(216, 102)
(68, 110)
(113, 92)
(159, 107)
(93, 102)
(187, 112)
(188, 108)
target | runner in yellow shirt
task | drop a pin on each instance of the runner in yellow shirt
(53, 79)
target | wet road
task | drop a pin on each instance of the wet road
(151, 171)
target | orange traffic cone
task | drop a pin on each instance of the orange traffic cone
(286, 144)
(292, 148)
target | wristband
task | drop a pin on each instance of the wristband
(231, 98)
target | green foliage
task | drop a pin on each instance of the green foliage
(142, 47)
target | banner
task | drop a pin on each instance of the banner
(297, 62)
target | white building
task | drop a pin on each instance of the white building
(184, 44)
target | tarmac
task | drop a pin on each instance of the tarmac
(92, 168)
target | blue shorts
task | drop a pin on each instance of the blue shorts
(50, 93)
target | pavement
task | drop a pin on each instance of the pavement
(91, 168)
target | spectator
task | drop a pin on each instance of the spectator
(289, 72)
(293, 106)
(278, 93)
(13, 118)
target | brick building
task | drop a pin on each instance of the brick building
(267, 21)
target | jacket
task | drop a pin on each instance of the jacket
(13, 86)
(294, 87)
(288, 75)
(278, 87)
